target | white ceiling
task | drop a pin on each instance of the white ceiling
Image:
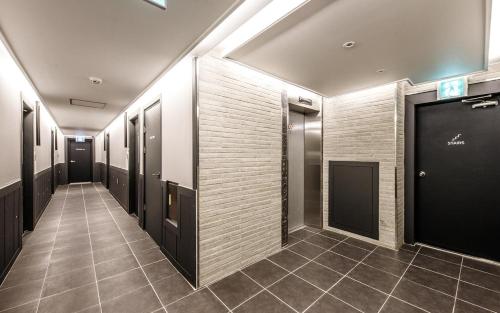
(127, 43)
(422, 40)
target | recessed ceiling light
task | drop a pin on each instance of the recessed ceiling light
(162, 4)
(349, 44)
(95, 80)
(381, 70)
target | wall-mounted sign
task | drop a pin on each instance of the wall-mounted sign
(452, 88)
(80, 139)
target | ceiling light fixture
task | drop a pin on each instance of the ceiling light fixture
(270, 14)
(349, 44)
(95, 80)
(381, 70)
(162, 4)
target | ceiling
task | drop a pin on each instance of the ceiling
(422, 40)
(127, 43)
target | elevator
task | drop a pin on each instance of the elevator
(304, 137)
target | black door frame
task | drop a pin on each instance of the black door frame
(27, 199)
(107, 160)
(144, 151)
(53, 171)
(133, 184)
(411, 102)
(68, 158)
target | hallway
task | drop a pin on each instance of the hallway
(86, 255)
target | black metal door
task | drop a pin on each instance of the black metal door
(152, 172)
(53, 170)
(137, 161)
(80, 161)
(457, 180)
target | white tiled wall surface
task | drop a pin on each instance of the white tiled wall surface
(240, 175)
(361, 126)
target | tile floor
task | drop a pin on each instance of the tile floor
(321, 271)
(88, 255)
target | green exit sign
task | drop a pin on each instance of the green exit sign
(452, 88)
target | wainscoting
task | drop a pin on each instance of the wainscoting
(11, 227)
(96, 172)
(61, 174)
(179, 236)
(118, 185)
(102, 173)
(41, 193)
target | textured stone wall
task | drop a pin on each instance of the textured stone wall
(240, 176)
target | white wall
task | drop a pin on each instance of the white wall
(13, 83)
(175, 91)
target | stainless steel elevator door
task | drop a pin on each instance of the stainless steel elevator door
(295, 170)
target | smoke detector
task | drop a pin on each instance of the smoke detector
(95, 80)
(349, 44)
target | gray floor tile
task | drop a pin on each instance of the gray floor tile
(358, 295)
(307, 250)
(264, 302)
(432, 280)
(150, 256)
(482, 279)
(202, 301)
(235, 289)
(295, 292)
(394, 305)
(120, 284)
(400, 255)
(69, 280)
(372, 277)
(423, 297)
(483, 297)
(328, 303)
(288, 260)
(437, 265)
(318, 275)
(336, 262)
(386, 264)
(115, 266)
(138, 301)
(322, 241)
(172, 288)
(350, 251)
(70, 301)
(159, 270)
(15, 296)
(265, 272)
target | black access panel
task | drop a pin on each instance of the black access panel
(353, 197)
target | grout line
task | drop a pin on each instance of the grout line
(342, 278)
(91, 250)
(458, 286)
(219, 300)
(52, 250)
(401, 278)
(133, 253)
(266, 289)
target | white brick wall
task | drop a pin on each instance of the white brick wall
(361, 126)
(240, 175)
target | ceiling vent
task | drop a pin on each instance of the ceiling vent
(88, 104)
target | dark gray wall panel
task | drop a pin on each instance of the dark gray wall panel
(353, 197)
(10, 226)
(42, 193)
(118, 185)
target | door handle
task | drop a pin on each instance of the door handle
(73, 161)
(157, 175)
(422, 174)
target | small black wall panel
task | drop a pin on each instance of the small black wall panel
(353, 197)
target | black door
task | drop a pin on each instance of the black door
(28, 168)
(80, 161)
(134, 164)
(457, 180)
(107, 160)
(152, 172)
(53, 171)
